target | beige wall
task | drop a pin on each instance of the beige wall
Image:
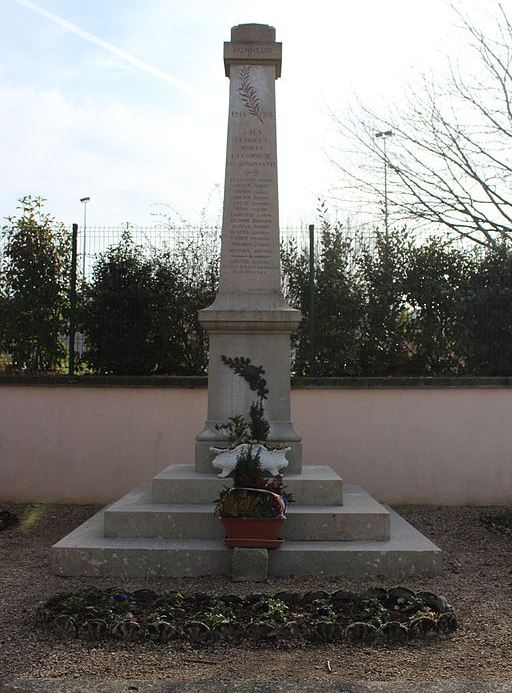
(90, 445)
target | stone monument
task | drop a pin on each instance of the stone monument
(167, 527)
(249, 317)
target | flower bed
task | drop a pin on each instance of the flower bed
(392, 616)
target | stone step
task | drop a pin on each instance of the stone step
(135, 516)
(407, 553)
(316, 485)
(87, 552)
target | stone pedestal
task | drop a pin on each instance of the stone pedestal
(168, 529)
(249, 317)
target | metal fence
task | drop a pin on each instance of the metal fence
(490, 328)
(92, 241)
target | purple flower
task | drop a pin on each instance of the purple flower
(121, 597)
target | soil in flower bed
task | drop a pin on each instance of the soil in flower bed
(391, 616)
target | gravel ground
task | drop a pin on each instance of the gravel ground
(477, 581)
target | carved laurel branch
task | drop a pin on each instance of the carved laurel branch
(251, 374)
(248, 94)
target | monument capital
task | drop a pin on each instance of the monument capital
(253, 44)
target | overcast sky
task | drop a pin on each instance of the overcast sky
(125, 101)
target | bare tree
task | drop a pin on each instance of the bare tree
(450, 160)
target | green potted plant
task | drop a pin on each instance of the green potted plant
(253, 509)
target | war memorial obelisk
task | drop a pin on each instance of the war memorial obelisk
(249, 317)
(167, 527)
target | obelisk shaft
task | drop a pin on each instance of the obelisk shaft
(250, 227)
(249, 317)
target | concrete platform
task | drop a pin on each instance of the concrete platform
(167, 528)
(135, 515)
(316, 485)
(87, 552)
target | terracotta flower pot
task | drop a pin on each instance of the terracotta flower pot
(248, 532)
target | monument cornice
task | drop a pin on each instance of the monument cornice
(284, 320)
(252, 53)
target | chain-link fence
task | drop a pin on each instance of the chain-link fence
(95, 240)
(373, 303)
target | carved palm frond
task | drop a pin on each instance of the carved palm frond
(248, 94)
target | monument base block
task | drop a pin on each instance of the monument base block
(263, 337)
(249, 565)
(168, 529)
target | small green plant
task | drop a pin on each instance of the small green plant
(425, 612)
(375, 614)
(237, 503)
(248, 471)
(324, 610)
(120, 603)
(236, 429)
(259, 426)
(252, 496)
(173, 598)
(249, 474)
(73, 603)
(274, 610)
(155, 617)
(248, 503)
(239, 430)
(218, 613)
(169, 601)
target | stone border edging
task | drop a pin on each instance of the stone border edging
(376, 616)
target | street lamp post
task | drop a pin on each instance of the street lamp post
(84, 201)
(384, 136)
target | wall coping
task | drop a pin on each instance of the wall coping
(188, 382)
